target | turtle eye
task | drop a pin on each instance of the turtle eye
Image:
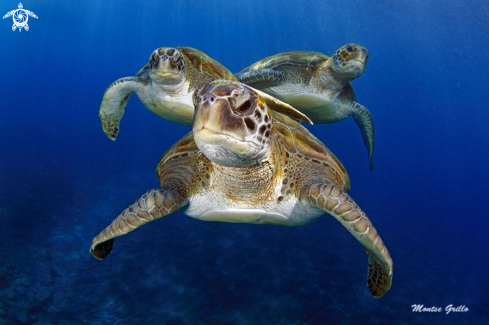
(153, 60)
(364, 51)
(176, 57)
(349, 48)
(245, 106)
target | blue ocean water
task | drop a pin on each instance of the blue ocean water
(62, 181)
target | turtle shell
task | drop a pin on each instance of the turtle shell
(201, 62)
(292, 135)
(310, 59)
(298, 140)
(184, 147)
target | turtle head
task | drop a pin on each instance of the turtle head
(349, 62)
(232, 124)
(166, 66)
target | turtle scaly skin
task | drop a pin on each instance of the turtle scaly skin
(243, 163)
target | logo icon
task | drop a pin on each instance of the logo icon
(20, 17)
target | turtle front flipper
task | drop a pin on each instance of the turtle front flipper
(340, 205)
(153, 205)
(365, 122)
(114, 103)
(269, 76)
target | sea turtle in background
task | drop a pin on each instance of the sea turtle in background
(244, 163)
(317, 85)
(165, 86)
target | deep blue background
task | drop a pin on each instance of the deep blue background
(62, 181)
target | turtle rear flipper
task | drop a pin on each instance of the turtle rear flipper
(365, 122)
(114, 103)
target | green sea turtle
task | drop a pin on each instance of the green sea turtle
(165, 86)
(317, 85)
(244, 163)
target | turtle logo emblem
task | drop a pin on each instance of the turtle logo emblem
(20, 17)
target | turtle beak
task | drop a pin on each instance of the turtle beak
(166, 70)
(221, 130)
(214, 137)
(215, 115)
(207, 113)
